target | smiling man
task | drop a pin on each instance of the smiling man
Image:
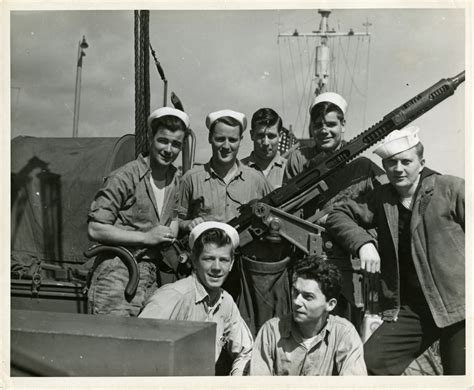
(135, 209)
(360, 176)
(215, 190)
(420, 220)
(200, 297)
(310, 341)
(266, 126)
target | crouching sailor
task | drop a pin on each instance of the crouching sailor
(310, 341)
(200, 297)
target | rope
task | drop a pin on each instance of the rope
(142, 80)
(138, 83)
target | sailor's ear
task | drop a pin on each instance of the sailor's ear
(331, 304)
(343, 125)
(422, 163)
(251, 135)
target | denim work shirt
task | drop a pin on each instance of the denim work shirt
(279, 350)
(204, 194)
(187, 300)
(277, 168)
(127, 201)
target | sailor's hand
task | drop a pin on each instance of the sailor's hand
(159, 234)
(194, 222)
(369, 258)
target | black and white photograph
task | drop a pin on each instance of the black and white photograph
(254, 190)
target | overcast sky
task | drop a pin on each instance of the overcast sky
(233, 59)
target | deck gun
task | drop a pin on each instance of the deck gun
(271, 219)
(271, 216)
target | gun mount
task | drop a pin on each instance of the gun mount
(273, 229)
(310, 183)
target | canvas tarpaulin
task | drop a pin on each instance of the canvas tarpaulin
(53, 181)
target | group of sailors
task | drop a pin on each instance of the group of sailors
(405, 224)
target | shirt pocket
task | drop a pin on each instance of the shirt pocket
(138, 212)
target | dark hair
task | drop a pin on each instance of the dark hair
(169, 122)
(214, 236)
(229, 121)
(318, 268)
(266, 117)
(419, 149)
(321, 109)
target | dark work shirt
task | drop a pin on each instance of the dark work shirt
(410, 288)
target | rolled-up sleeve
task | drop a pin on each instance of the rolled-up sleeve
(110, 199)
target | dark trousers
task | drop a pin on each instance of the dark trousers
(394, 345)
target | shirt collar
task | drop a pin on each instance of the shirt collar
(144, 167)
(201, 293)
(289, 328)
(212, 173)
(277, 160)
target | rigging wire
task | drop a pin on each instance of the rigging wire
(308, 51)
(281, 80)
(301, 61)
(352, 77)
(308, 99)
(293, 67)
(353, 70)
(282, 87)
(367, 67)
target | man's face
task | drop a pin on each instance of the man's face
(327, 132)
(213, 265)
(309, 303)
(403, 169)
(265, 141)
(166, 145)
(225, 142)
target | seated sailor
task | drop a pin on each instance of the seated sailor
(310, 341)
(200, 297)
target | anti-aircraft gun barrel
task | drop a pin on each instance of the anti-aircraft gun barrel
(396, 119)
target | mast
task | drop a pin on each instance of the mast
(322, 71)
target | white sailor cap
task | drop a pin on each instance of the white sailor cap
(330, 97)
(398, 141)
(213, 116)
(163, 111)
(203, 226)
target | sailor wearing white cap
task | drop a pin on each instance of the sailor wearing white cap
(200, 297)
(420, 220)
(398, 141)
(136, 208)
(226, 116)
(216, 190)
(202, 227)
(326, 127)
(402, 164)
(168, 111)
(330, 97)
